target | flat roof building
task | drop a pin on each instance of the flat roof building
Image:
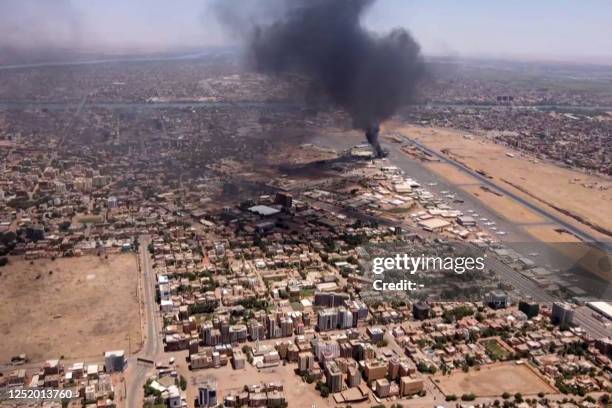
(264, 210)
(434, 224)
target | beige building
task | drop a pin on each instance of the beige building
(409, 386)
(375, 370)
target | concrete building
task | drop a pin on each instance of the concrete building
(238, 333)
(359, 310)
(207, 394)
(328, 319)
(375, 370)
(305, 361)
(345, 318)
(257, 331)
(434, 224)
(238, 359)
(562, 313)
(330, 299)
(353, 377)
(498, 299)
(376, 333)
(284, 199)
(466, 221)
(164, 291)
(420, 311)
(393, 368)
(326, 349)
(174, 397)
(333, 376)
(531, 309)
(383, 386)
(410, 386)
(114, 361)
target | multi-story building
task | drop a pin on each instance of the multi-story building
(562, 313)
(345, 318)
(328, 319)
(410, 386)
(375, 370)
(531, 309)
(207, 394)
(420, 311)
(305, 361)
(333, 376)
(353, 377)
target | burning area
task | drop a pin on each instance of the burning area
(368, 75)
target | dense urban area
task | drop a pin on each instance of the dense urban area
(186, 233)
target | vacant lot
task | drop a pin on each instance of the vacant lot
(494, 380)
(297, 392)
(75, 307)
(495, 350)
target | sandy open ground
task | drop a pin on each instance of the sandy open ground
(451, 173)
(494, 380)
(297, 392)
(505, 206)
(542, 182)
(86, 306)
(549, 233)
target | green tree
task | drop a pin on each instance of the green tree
(468, 397)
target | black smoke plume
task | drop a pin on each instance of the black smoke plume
(372, 136)
(366, 74)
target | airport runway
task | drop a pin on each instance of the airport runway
(437, 185)
(585, 236)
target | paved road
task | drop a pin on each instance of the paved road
(525, 286)
(584, 317)
(153, 344)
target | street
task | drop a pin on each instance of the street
(153, 343)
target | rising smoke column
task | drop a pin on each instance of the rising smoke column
(366, 74)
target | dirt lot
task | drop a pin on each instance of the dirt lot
(494, 380)
(547, 233)
(452, 174)
(542, 182)
(505, 206)
(297, 392)
(85, 306)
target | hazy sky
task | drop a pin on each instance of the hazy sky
(542, 29)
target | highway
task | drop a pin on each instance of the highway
(584, 317)
(525, 286)
(153, 344)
